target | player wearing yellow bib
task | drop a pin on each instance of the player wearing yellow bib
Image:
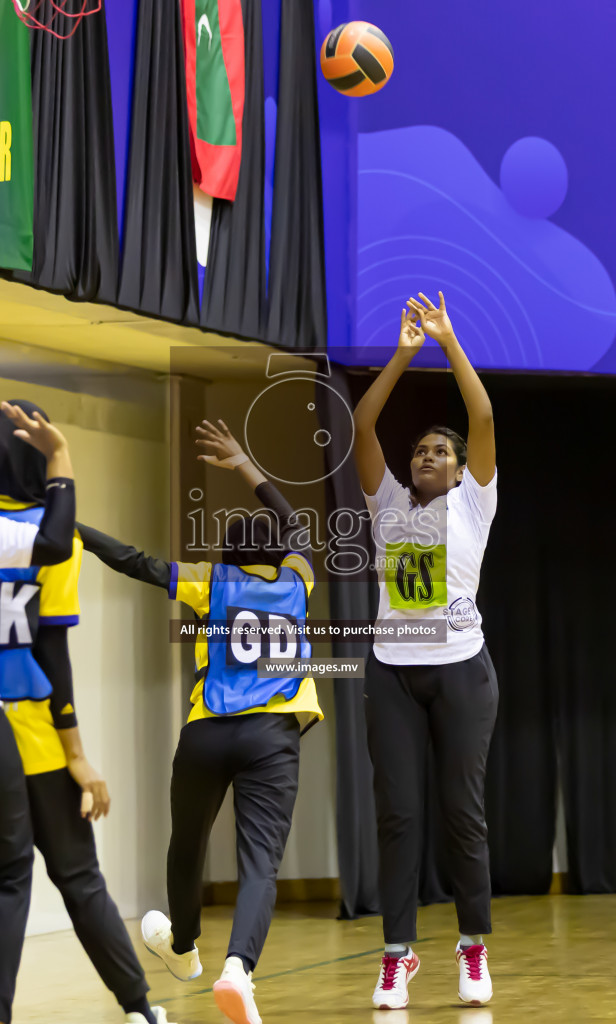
(440, 683)
(242, 731)
(23, 545)
(64, 792)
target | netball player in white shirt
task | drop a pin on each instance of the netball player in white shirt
(438, 681)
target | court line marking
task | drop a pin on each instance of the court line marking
(281, 974)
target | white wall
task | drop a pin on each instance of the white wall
(122, 661)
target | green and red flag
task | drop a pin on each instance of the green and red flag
(16, 161)
(214, 53)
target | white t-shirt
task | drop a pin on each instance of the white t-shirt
(16, 543)
(428, 562)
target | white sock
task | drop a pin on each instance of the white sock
(397, 949)
(470, 940)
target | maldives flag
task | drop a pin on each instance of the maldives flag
(214, 53)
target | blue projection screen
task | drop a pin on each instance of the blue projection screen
(487, 168)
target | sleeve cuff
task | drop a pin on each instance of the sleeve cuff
(173, 583)
(65, 721)
(58, 620)
(63, 481)
(481, 487)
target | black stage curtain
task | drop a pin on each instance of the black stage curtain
(546, 611)
(297, 314)
(75, 220)
(581, 558)
(350, 599)
(293, 315)
(234, 288)
(159, 258)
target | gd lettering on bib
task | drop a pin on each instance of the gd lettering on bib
(265, 618)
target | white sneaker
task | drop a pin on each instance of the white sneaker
(156, 932)
(233, 993)
(475, 982)
(138, 1018)
(391, 988)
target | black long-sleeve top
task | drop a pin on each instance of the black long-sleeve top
(54, 540)
(126, 559)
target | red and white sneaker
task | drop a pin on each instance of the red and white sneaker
(475, 982)
(391, 988)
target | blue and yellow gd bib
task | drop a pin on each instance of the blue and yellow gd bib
(261, 619)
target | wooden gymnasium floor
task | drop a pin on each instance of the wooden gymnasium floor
(552, 959)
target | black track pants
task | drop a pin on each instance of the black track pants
(16, 856)
(66, 841)
(455, 707)
(259, 755)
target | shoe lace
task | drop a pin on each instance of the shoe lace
(473, 958)
(390, 969)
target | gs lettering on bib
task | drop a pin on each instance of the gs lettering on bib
(265, 619)
(412, 548)
(416, 578)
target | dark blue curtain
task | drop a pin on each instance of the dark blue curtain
(290, 309)
(159, 257)
(297, 313)
(234, 289)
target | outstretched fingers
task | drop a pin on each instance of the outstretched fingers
(417, 311)
(209, 430)
(19, 417)
(430, 305)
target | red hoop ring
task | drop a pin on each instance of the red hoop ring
(29, 18)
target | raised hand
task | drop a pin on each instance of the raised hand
(434, 321)
(412, 336)
(220, 445)
(35, 430)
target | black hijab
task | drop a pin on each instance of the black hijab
(248, 541)
(23, 470)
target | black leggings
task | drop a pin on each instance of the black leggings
(16, 856)
(455, 707)
(66, 841)
(259, 755)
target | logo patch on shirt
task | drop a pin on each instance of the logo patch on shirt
(68, 709)
(461, 614)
